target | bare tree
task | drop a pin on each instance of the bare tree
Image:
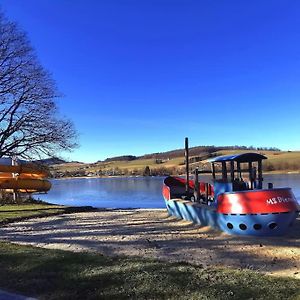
(30, 126)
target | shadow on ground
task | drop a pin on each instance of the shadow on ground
(153, 234)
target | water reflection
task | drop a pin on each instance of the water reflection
(108, 192)
(132, 192)
(285, 180)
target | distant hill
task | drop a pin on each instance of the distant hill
(199, 150)
(51, 161)
(193, 151)
(121, 158)
(172, 162)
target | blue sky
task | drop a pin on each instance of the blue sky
(139, 76)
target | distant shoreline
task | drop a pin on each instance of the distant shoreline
(278, 162)
(279, 172)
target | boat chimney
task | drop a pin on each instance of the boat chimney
(196, 186)
(186, 154)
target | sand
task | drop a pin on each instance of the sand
(154, 234)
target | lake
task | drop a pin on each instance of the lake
(131, 192)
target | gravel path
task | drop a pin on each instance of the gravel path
(152, 233)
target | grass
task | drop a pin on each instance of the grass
(55, 274)
(11, 213)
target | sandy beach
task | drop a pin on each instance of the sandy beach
(154, 234)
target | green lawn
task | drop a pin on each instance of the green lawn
(10, 213)
(54, 274)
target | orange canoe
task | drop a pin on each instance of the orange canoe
(28, 185)
(24, 178)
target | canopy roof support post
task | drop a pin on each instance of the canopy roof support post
(224, 170)
(250, 175)
(232, 170)
(238, 168)
(260, 177)
(213, 170)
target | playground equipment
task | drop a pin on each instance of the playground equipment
(235, 200)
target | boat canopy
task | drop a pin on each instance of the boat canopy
(242, 157)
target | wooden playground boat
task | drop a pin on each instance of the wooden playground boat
(231, 202)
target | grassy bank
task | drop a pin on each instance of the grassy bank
(11, 213)
(53, 274)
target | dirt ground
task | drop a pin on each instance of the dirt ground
(152, 233)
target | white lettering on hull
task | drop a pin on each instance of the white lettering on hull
(278, 199)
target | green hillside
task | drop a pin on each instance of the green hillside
(172, 162)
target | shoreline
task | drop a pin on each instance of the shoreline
(278, 172)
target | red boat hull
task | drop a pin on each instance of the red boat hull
(257, 202)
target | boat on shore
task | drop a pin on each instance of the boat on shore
(235, 200)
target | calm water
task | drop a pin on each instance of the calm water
(131, 192)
